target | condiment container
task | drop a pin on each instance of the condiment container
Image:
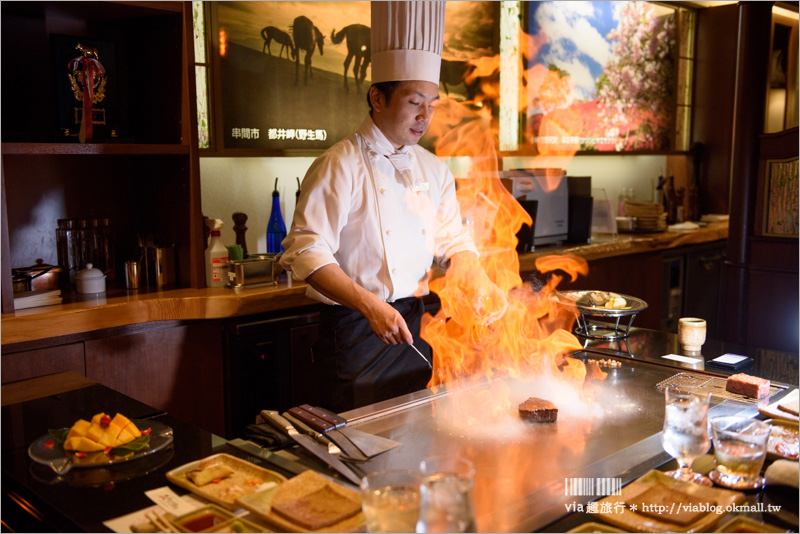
(205, 519)
(91, 280)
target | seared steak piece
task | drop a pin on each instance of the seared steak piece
(749, 386)
(538, 411)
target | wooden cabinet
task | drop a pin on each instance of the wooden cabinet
(39, 362)
(146, 178)
(178, 369)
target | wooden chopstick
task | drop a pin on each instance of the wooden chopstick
(162, 524)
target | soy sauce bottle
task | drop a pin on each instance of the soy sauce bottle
(276, 229)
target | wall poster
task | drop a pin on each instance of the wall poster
(294, 75)
(601, 76)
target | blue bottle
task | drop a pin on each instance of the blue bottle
(276, 229)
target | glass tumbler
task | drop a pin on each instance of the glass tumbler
(740, 447)
(446, 495)
(391, 500)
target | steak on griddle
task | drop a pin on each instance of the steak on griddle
(538, 411)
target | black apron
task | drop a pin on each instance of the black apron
(355, 368)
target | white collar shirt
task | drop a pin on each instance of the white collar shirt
(383, 221)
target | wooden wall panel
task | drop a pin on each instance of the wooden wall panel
(178, 370)
(40, 362)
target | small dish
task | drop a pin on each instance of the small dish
(745, 524)
(784, 440)
(301, 486)
(616, 509)
(204, 519)
(243, 478)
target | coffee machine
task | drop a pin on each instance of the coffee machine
(548, 187)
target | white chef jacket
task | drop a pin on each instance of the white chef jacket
(382, 226)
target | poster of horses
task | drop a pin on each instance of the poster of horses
(294, 75)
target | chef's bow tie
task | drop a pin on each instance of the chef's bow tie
(400, 160)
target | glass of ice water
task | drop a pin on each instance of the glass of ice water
(685, 434)
(446, 495)
(391, 500)
(740, 447)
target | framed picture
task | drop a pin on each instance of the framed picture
(294, 76)
(780, 211)
(600, 76)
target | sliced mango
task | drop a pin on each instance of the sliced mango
(79, 428)
(88, 437)
(82, 444)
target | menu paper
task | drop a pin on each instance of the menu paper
(170, 501)
(679, 358)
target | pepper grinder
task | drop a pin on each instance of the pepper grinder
(239, 220)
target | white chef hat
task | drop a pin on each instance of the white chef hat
(407, 40)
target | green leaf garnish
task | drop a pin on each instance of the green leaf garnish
(58, 435)
(140, 443)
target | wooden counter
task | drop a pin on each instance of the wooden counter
(219, 303)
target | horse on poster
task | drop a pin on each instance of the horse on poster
(358, 48)
(306, 37)
(271, 33)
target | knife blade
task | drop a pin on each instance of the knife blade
(280, 423)
(268, 456)
(314, 425)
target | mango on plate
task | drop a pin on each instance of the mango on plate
(82, 443)
(79, 428)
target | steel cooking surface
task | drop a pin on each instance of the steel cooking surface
(521, 467)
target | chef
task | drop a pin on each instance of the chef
(376, 210)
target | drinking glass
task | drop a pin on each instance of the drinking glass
(740, 447)
(446, 495)
(391, 500)
(685, 435)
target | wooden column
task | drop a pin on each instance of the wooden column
(755, 19)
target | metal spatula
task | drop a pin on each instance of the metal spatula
(335, 427)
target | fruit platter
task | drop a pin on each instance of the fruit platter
(102, 441)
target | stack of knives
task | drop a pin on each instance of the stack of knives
(326, 436)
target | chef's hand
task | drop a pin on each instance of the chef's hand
(486, 301)
(388, 324)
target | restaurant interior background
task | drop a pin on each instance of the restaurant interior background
(718, 71)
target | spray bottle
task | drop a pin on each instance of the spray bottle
(276, 229)
(216, 256)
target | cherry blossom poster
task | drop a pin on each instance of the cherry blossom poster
(600, 76)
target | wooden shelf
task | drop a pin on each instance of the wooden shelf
(43, 149)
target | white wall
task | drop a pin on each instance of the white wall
(229, 185)
(611, 173)
(245, 184)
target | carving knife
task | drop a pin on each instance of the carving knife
(275, 419)
(268, 456)
(312, 424)
(318, 436)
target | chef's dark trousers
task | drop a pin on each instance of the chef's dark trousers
(355, 368)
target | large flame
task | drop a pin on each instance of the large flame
(532, 340)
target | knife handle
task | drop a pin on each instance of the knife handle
(274, 418)
(325, 415)
(318, 424)
(305, 429)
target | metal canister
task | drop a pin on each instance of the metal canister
(132, 274)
